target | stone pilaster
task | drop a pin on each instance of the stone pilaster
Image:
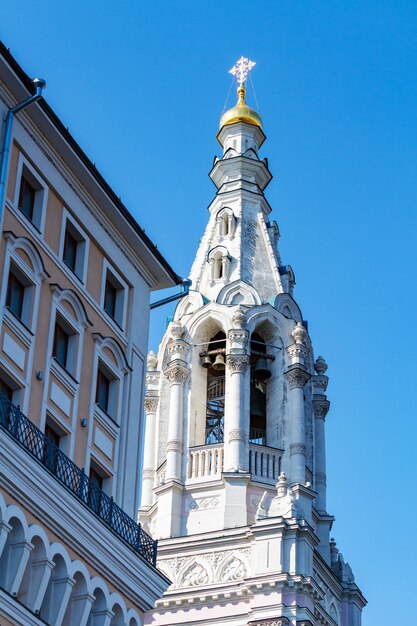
(297, 377)
(236, 427)
(148, 473)
(177, 372)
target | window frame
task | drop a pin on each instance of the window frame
(70, 225)
(72, 339)
(122, 290)
(26, 171)
(112, 401)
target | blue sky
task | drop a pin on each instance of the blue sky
(141, 86)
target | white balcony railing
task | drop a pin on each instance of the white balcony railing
(205, 461)
(264, 463)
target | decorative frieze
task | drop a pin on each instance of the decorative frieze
(297, 448)
(175, 444)
(198, 504)
(237, 363)
(281, 621)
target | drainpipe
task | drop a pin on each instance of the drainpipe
(40, 84)
(186, 284)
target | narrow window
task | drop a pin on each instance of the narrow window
(27, 198)
(103, 391)
(110, 299)
(65, 344)
(15, 295)
(95, 492)
(60, 349)
(70, 250)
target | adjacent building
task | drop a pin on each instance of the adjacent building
(234, 480)
(76, 271)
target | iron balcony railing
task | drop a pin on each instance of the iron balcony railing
(53, 459)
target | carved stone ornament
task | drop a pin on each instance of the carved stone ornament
(176, 330)
(320, 478)
(237, 435)
(297, 448)
(177, 374)
(152, 379)
(238, 335)
(195, 575)
(151, 361)
(151, 404)
(199, 504)
(148, 473)
(299, 333)
(237, 364)
(177, 345)
(297, 378)
(321, 407)
(175, 444)
(298, 351)
(320, 366)
(233, 570)
(239, 319)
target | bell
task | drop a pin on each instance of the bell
(206, 362)
(219, 363)
(261, 371)
(257, 404)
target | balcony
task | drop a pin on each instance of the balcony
(33, 440)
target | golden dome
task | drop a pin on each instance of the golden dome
(241, 112)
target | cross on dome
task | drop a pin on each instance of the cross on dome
(242, 68)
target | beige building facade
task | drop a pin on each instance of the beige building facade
(76, 272)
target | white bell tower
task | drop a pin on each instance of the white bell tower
(234, 479)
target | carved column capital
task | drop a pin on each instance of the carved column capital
(237, 435)
(176, 372)
(297, 448)
(297, 377)
(237, 363)
(321, 407)
(151, 404)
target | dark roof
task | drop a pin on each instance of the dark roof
(27, 82)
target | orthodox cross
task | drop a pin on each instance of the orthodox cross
(241, 69)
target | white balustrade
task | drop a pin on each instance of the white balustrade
(205, 461)
(264, 463)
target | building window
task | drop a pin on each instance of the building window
(106, 390)
(31, 196)
(9, 392)
(27, 198)
(64, 345)
(96, 488)
(114, 298)
(6, 391)
(19, 292)
(74, 251)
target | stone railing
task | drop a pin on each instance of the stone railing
(264, 463)
(205, 461)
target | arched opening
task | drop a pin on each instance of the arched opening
(260, 372)
(76, 606)
(55, 591)
(118, 617)
(218, 266)
(34, 574)
(12, 554)
(99, 611)
(214, 362)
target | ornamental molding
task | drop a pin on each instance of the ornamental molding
(282, 621)
(152, 379)
(199, 504)
(320, 382)
(297, 378)
(298, 351)
(209, 567)
(148, 473)
(238, 335)
(175, 444)
(237, 435)
(237, 364)
(297, 448)
(176, 374)
(151, 404)
(177, 346)
(321, 478)
(321, 407)
(239, 319)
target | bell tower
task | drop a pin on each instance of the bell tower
(234, 478)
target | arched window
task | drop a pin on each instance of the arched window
(34, 574)
(260, 373)
(12, 555)
(219, 261)
(214, 362)
(225, 221)
(99, 610)
(55, 592)
(77, 604)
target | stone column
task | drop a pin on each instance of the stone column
(148, 474)
(176, 372)
(238, 430)
(321, 407)
(297, 376)
(236, 414)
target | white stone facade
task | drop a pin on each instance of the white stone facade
(234, 481)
